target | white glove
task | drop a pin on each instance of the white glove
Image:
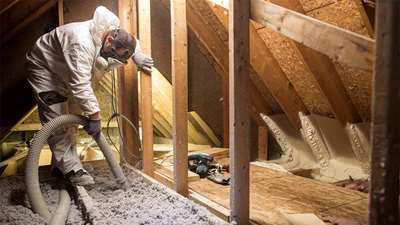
(144, 62)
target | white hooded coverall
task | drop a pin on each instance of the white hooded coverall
(60, 66)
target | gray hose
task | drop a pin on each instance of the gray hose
(61, 214)
(31, 171)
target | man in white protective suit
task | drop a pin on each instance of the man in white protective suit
(62, 66)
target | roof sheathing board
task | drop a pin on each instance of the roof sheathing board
(309, 5)
(296, 71)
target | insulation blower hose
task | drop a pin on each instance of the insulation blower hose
(32, 175)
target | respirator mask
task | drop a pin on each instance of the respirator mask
(117, 55)
(108, 64)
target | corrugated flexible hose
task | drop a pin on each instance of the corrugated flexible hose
(32, 176)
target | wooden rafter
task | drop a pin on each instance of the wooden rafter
(262, 143)
(60, 7)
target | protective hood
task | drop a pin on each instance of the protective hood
(103, 21)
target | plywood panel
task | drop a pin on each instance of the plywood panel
(273, 193)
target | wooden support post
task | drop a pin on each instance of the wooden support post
(384, 192)
(145, 86)
(60, 7)
(262, 143)
(239, 82)
(128, 96)
(225, 111)
(179, 94)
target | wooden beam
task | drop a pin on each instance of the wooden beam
(326, 75)
(28, 20)
(128, 96)
(262, 143)
(5, 132)
(180, 94)
(60, 7)
(384, 191)
(8, 6)
(339, 44)
(145, 85)
(203, 127)
(239, 80)
(225, 112)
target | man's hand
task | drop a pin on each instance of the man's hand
(144, 62)
(93, 126)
